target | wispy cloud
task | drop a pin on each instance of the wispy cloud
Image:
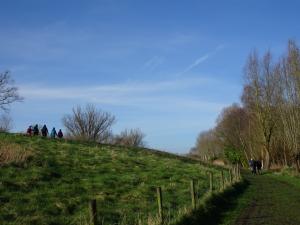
(153, 63)
(202, 59)
(155, 95)
(33, 90)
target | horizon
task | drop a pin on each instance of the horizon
(168, 69)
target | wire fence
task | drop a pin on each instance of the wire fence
(167, 210)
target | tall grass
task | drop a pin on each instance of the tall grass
(11, 153)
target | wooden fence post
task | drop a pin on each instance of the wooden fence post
(239, 172)
(160, 205)
(234, 172)
(222, 178)
(211, 181)
(193, 194)
(230, 176)
(93, 212)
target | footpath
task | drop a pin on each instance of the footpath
(269, 199)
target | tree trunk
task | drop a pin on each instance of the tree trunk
(284, 154)
(297, 165)
(267, 159)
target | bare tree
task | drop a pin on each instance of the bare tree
(290, 101)
(267, 125)
(262, 99)
(132, 137)
(208, 146)
(8, 92)
(5, 123)
(89, 123)
(233, 130)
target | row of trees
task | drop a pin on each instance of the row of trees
(266, 125)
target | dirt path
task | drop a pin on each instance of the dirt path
(270, 199)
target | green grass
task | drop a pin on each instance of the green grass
(57, 183)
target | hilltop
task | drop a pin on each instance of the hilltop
(47, 181)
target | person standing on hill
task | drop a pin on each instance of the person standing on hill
(36, 130)
(44, 131)
(29, 131)
(53, 133)
(60, 134)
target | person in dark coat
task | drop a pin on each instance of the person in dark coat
(252, 164)
(44, 131)
(258, 166)
(29, 131)
(36, 130)
(60, 134)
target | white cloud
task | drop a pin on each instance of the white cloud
(197, 62)
(148, 95)
(41, 91)
(153, 63)
(202, 59)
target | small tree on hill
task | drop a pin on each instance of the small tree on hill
(132, 137)
(88, 123)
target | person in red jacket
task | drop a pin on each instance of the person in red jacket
(29, 131)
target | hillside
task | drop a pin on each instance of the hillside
(51, 182)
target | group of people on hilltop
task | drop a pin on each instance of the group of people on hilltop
(34, 131)
(256, 166)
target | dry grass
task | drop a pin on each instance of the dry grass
(13, 154)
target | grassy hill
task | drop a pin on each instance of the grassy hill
(46, 181)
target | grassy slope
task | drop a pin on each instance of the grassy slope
(269, 199)
(57, 184)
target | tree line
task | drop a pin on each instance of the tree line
(266, 124)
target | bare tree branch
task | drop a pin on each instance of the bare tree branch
(89, 123)
(8, 92)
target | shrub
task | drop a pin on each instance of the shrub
(233, 155)
(133, 137)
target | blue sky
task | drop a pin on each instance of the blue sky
(167, 67)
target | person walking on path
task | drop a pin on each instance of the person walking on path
(53, 133)
(36, 130)
(252, 164)
(44, 131)
(258, 166)
(60, 134)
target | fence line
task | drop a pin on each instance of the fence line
(234, 175)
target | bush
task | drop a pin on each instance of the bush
(233, 155)
(289, 171)
(133, 138)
